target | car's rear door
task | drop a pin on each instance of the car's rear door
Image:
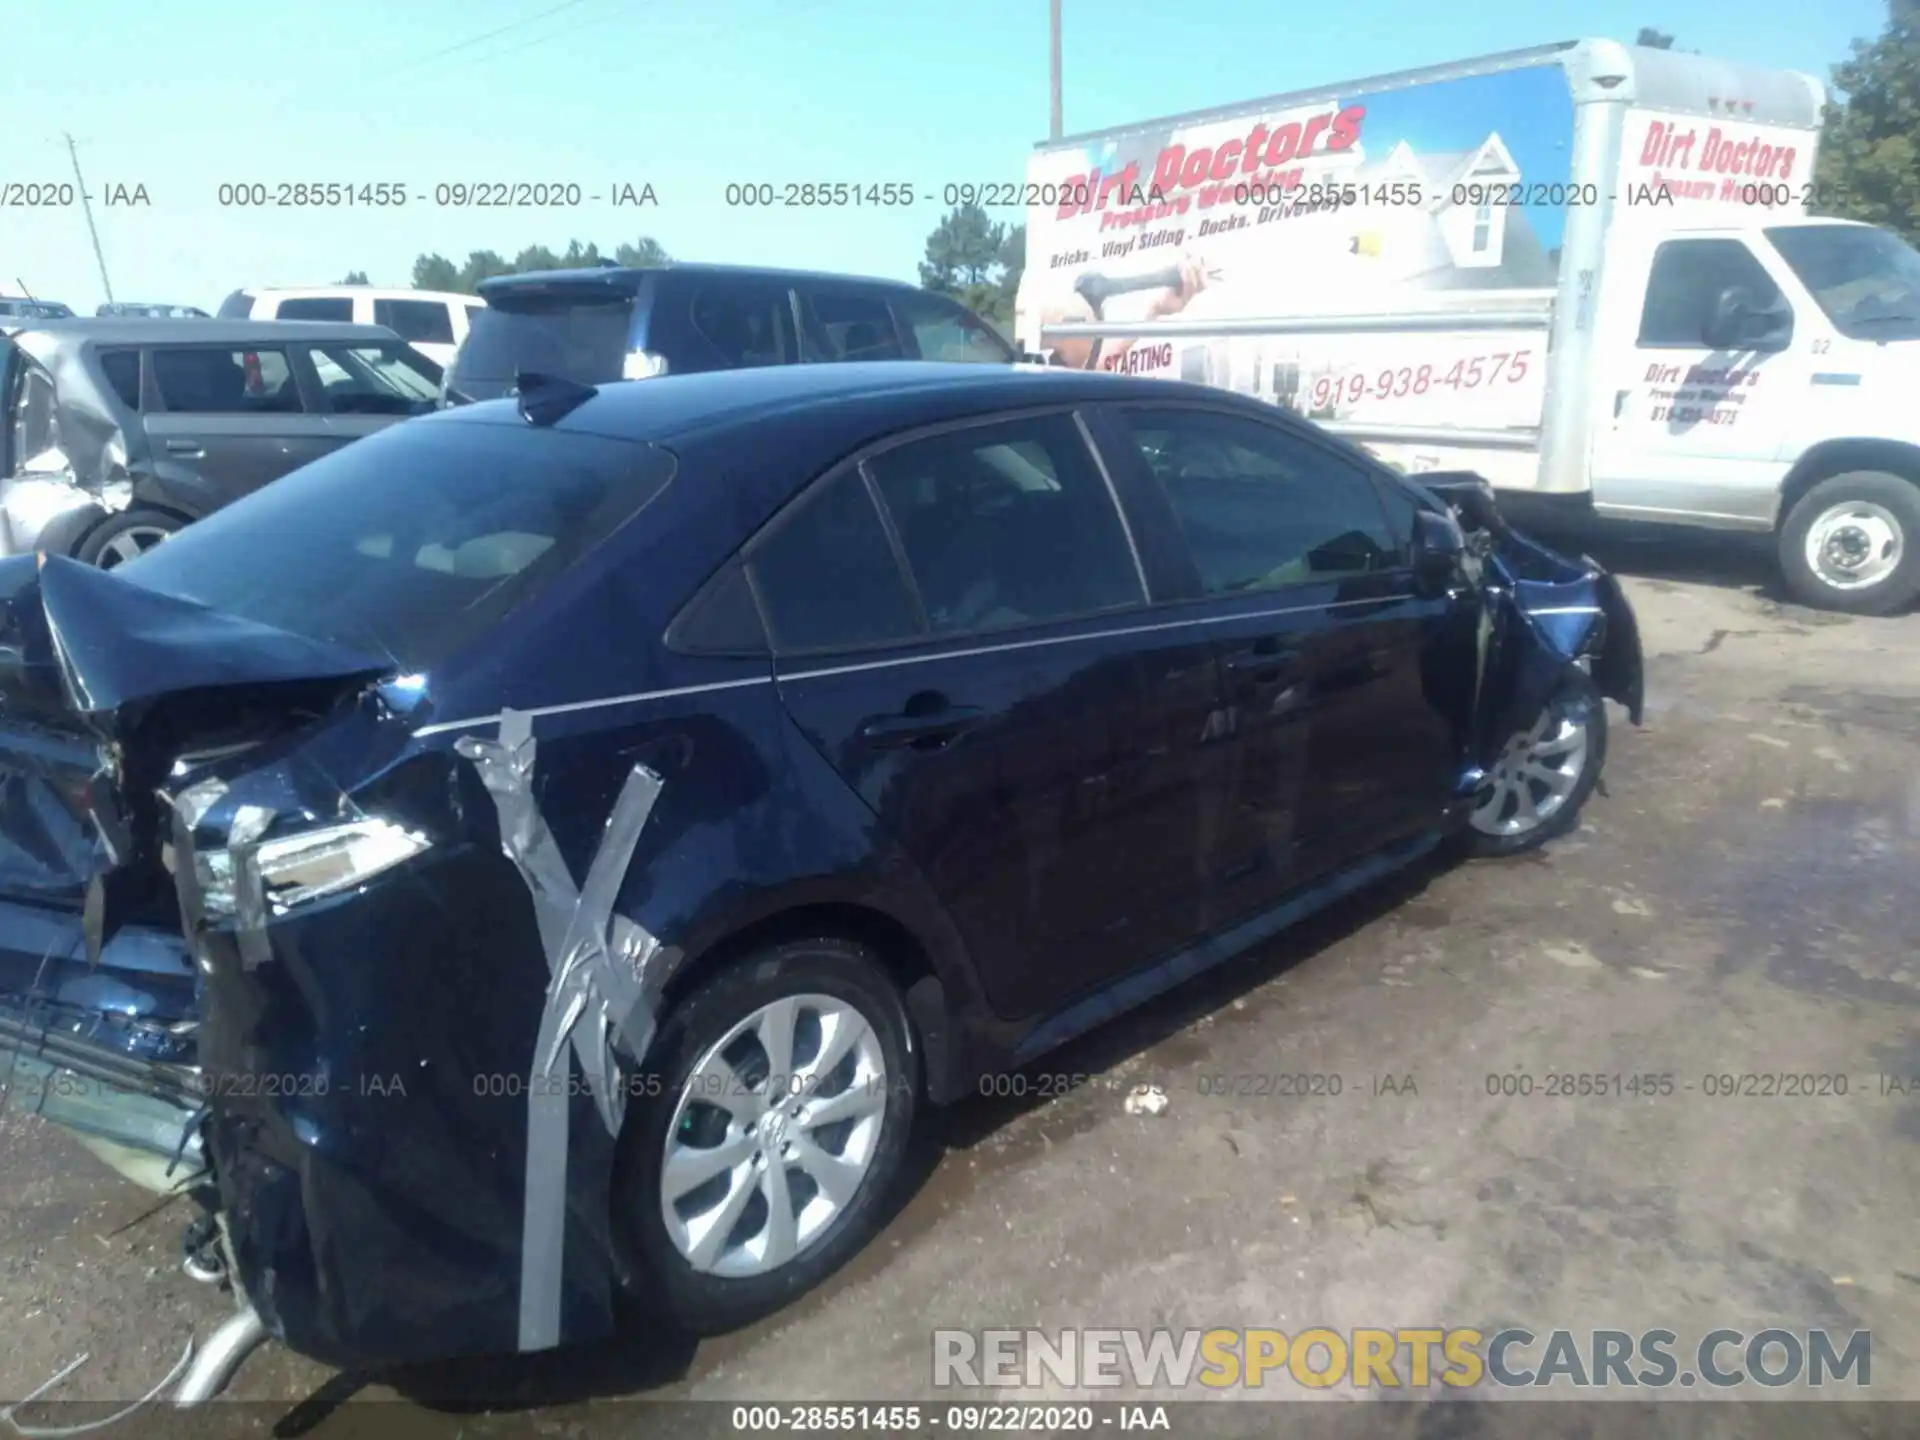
(224, 420)
(1344, 688)
(964, 629)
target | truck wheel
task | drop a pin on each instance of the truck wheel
(123, 537)
(1853, 544)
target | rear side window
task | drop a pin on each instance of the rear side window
(826, 573)
(424, 322)
(488, 517)
(122, 369)
(847, 324)
(943, 330)
(315, 308)
(206, 381)
(1008, 524)
(583, 343)
(748, 324)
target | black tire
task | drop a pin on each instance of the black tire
(1891, 495)
(701, 1303)
(1578, 699)
(106, 544)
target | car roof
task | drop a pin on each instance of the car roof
(628, 278)
(847, 399)
(129, 330)
(373, 292)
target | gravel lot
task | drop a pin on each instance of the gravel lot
(1743, 900)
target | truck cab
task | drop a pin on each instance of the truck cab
(1759, 377)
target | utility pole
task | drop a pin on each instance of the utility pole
(87, 206)
(1053, 18)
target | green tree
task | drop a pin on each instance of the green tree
(977, 261)
(649, 252)
(1869, 165)
(355, 277)
(435, 272)
(963, 250)
(1653, 39)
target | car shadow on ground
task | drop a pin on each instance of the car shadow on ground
(1726, 559)
(645, 1355)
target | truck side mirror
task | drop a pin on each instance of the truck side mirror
(1732, 317)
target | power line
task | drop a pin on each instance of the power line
(470, 42)
(86, 205)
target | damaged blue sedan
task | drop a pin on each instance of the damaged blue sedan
(547, 852)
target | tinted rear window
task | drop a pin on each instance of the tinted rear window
(414, 541)
(586, 343)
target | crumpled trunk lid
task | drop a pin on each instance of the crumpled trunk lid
(106, 689)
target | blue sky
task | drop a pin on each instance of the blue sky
(688, 95)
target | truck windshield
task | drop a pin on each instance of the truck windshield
(1866, 280)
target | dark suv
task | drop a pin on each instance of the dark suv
(610, 323)
(115, 433)
(584, 831)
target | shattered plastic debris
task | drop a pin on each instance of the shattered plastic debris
(1147, 1100)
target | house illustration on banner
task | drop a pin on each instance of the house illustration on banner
(1443, 245)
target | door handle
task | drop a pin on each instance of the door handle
(1264, 663)
(925, 732)
(185, 447)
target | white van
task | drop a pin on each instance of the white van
(1588, 271)
(433, 322)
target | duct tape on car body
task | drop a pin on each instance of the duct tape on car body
(596, 962)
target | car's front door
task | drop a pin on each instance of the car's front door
(1345, 731)
(963, 629)
(224, 420)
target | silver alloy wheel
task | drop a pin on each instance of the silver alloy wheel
(134, 541)
(1535, 775)
(774, 1130)
(1854, 544)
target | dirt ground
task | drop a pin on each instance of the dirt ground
(1743, 900)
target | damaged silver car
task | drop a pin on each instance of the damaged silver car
(116, 433)
(560, 879)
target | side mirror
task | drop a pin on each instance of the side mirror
(1738, 322)
(1439, 552)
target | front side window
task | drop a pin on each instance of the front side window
(1008, 524)
(197, 381)
(375, 380)
(1262, 509)
(847, 324)
(422, 322)
(945, 331)
(1685, 285)
(826, 574)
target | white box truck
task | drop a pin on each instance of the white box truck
(1587, 270)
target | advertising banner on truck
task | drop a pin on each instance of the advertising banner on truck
(1433, 196)
(1686, 170)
